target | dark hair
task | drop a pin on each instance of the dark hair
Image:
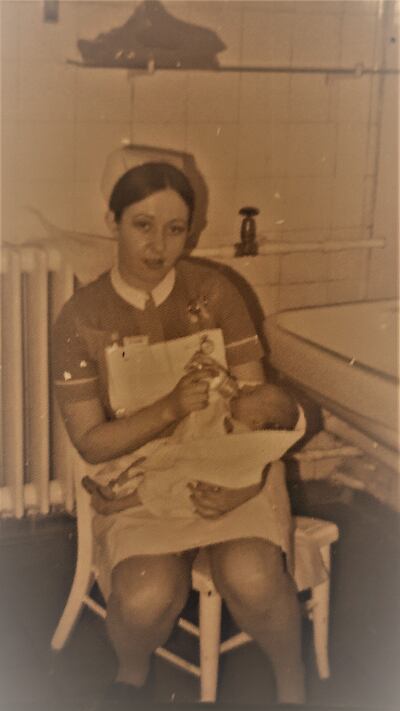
(144, 180)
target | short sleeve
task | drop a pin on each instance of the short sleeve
(75, 375)
(241, 341)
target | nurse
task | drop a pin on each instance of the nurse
(155, 294)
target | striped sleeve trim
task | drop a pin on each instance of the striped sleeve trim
(249, 383)
(242, 342)
(75, 381)
(83, 389)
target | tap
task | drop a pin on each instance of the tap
(248, 244)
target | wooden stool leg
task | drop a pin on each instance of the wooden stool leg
(210, 633)
(320, 618)
(83, 578)
(83, 581)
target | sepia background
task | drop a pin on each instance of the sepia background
(316, 151)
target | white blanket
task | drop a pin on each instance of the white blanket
(199, 450)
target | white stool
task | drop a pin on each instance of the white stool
(322, 533)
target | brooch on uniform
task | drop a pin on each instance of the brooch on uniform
(206, 345)
(198, 309)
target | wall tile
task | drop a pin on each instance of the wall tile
(102, 95)
(251, 192)
(243, 163)
(358, 40)
(316, 40)
(383, 279)
(283, 150)
(348, 234)
(346, 290)
(367, 7)
(309, 98)
(368, 201)
(268, 6)
(298, 295)
(376, 98)
(259, 272)
(352, 147)
(268, 297)
(264, 97)
(372, 147)
(10, 90)
(47, 91)
(262, 149)
(10, 165)
(53, 199)
(308, 202)
(89, 209)
(348, 264)
(310, 149)
(386, 214)
(160, 98)
(351, 99)
(273, 216)
(225, 18)
(213, 97)
(98, 16)
(160, 135)
(328, 7)
(47, 41)
(262, 193)
(316, 235)
(348, 193)
(10, 180)
(9, 30)
(252, 150)
(266, 38)
(391, 42)
(94, 141)
(214, 147)
(46, 150)
(221, 216)
(304, 267)
(8, 222)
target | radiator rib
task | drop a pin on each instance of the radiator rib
(12, 382)
(37, 457)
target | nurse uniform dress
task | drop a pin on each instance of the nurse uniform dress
(105, 320)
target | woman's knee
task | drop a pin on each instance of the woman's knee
(147, 589)
(249, 573)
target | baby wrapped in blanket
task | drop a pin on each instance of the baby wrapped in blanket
(227, 444)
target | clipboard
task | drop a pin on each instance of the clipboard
(140, 373)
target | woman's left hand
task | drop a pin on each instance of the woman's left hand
(213, 501)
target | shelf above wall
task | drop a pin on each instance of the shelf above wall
(357, 71)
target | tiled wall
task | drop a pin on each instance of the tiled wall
(301, 147)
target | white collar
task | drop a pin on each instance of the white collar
(137, 297)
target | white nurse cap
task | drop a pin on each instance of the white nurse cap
(131, 156)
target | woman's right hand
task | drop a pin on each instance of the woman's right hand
(191, 393)
(105, 507)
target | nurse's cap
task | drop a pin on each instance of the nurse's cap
(131, 156)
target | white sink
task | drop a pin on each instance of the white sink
(346, 357)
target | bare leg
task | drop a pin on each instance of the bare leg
(261, 596)
(147, 595)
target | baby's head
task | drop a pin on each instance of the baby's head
(265, 407)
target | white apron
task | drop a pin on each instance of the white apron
(139, 374)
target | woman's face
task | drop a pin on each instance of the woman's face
(152, 234)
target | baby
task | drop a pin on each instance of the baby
(161, 476)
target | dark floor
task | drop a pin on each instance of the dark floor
(37, 562)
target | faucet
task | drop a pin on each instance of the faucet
(248, 244)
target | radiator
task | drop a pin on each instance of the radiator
(37, 458)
